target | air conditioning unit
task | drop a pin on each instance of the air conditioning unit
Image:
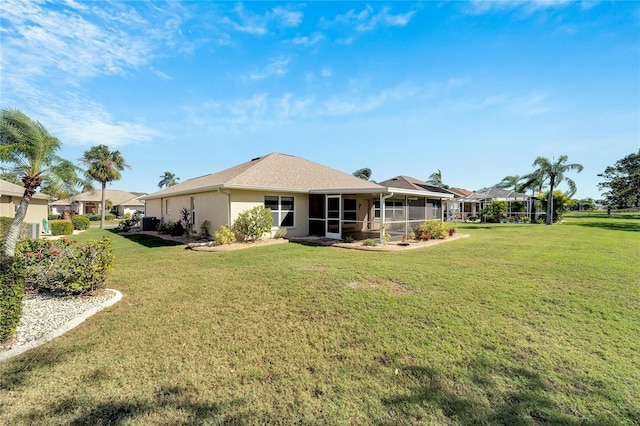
(33, 231)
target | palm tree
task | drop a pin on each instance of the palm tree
(364, 173)
(509, 182)
(64, 181)
(167, 180)
(554, 173)
(104, 166)
(31, 150)
(436, 179)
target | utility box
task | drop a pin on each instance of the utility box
(33, 231)
(150, 223)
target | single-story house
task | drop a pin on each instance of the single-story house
(10, 197)
(304, 197)
(89, 202)
(462, 205)
(518, 204)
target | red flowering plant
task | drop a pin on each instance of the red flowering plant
(63, 266)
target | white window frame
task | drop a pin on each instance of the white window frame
(280, 213)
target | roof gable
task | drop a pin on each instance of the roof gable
(116, 196)
(407, 182)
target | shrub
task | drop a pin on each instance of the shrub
(64, 266)
(5, 222)
(11, 294)
(204, 230)
(53, 217)
(348, 239)
(174, 229)
(434, 228)
(93, 217)
(369, 242)
(225, 235)
(253, 224)
(280, 233)
(61, 227)
(80, 222)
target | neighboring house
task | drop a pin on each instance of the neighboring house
(518, 204)
(10, 196)
(89, 202)
(462, 206)
(305, 198)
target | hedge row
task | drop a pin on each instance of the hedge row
(11, 294)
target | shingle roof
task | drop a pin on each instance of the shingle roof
(116, 196)
(279, 172)
(8, 188)
(460, 192)
(407, 182)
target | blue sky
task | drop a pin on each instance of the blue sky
(475, 89)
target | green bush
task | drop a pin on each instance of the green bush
(63, 266)
(5, 222)
(253, 224)
(175, 229)
(225, 235)
(80, 222)
(204, 230)
(433, 228)
(53, 217)
(96, 217)
(369, 243)
(61, 227)
(11, 294)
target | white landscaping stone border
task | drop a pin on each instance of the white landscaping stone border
(69, 325)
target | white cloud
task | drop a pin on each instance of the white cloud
(288, 18)
(368, 19)
(308, 40)
(479, 7)
(252, 23)
(276, 67)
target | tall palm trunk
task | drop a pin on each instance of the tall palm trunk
(549, 220)
(102, 205)
(16, 226)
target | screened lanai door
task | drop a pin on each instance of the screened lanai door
(333, 217)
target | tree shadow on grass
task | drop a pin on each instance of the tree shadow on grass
(18, 370)
(612, 226)
(150, 241)
(180, 401)
(527, 401)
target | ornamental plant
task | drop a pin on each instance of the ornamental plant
(64, 266)
(435, 228)
(253, 224)
(11, 293)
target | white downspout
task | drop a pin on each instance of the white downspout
(382, 215)
(228, 194)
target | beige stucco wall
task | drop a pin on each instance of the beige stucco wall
(38, 209)
(214, 207)
(246, 200)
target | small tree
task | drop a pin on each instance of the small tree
(495, 211)
(253, 224)
(364, 173)
(561, 204)
(623, 182)
(104, 166)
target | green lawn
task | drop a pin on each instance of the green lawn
(519, 324)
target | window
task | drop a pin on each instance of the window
(349, 211)
(281, 210)
(166, 207)
(394, 209)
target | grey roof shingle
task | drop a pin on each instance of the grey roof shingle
(278, 172)
(8, 188)
(407, 182)
(116, 196)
